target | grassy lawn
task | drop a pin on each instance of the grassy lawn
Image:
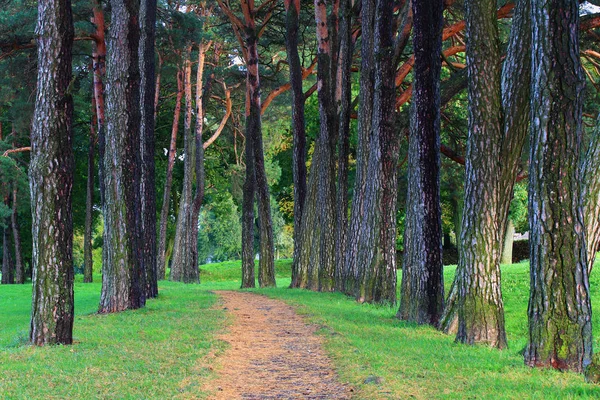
(166, 349)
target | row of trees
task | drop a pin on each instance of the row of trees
(345, 203)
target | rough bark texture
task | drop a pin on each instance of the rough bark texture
(14, 222)
(365, 111)
(515, 83)
(147, 121)
(162, 259)
(184, 267)
(99, 67)
(376, 257)
(316, 262)
(298, 123)
(422, 293)
(248, 278)
(266, 271)
(476, 295)
(344, 106)
(123, 285)
(560, 329)
(590, 174)
(88, 262)
(51, 178)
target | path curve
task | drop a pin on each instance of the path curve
(273, 354)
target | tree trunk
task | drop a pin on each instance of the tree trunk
(248, 280)
(344, 106)
(182, 268)
(19, 270)
(298, 123)
(51, 178)
(147, 121)
(507, 247)
(365, 112)
(266, 271)
(88, 263)
(515, 83)
(376, 257)
(560, 327)
(8, 277)
(99, 67)
(478, 298)
(422, 294)
(590, 173)
(162, 259)
(316, 263)
(123, 279)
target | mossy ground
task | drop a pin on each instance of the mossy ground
(166, 349)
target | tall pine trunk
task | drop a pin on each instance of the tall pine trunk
(298, 122)
(422, 293)
(590, 174)
(147, 121)
(88, 263)
(376, 256)
(184, 267)
(51, 178)
(162, 259)
(19, 268)
(365, 112)
(344, 106)
(123, 278)
(560, 327)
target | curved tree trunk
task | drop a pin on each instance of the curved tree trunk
(422, 294)
(182, 268)
(298, 124)
(147, 121)
(560, 327)
(123, 285)
(51, 178)
(162, 259)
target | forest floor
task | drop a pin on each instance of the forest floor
(273, 353)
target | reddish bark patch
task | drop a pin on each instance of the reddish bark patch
(274, 354)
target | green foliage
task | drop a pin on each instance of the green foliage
(518, 208)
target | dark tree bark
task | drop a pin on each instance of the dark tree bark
(560, 327)
(88, 263)
(298, 122)
(422, 294)
(19, 270)
(316, 262)
(365, 112)
(123, 278)
(8, 268)
(162, 259)
(147, 121)
(376, 256)
(184, 267)
(344, 105)
(590, 173)
(99, 67)
(515, 80)
(51, 178)
(248, 279)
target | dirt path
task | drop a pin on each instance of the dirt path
(274, 354)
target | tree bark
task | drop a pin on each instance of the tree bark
(99, 67)
(344, 106)
(147, 122)
(422, 293)
(88, 263)
(8, 276)
(376, 256)
(365, 112)
(162, 259)
(51, 178)
(560, 327)
(507, 247)
(182, 268)
(123, 278)
(19, 269)
(316, 263)
(590, 173)
(298, 123)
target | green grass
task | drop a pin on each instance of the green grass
(166, 349)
